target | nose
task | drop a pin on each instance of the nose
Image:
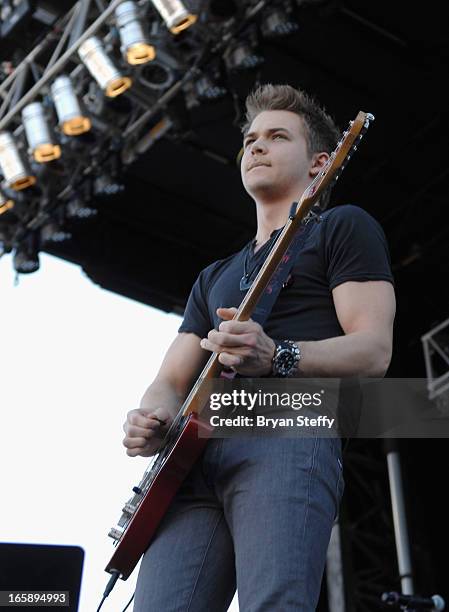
(258, 146)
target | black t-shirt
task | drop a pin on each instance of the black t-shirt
(346, 245)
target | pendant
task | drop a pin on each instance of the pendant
(245, 283)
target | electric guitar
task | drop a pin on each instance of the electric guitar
(188, 434)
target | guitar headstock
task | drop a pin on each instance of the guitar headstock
(338, 159)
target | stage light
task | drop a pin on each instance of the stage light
(94, 57)
(14, 170)
(52, 232)
(77, 209)
(71, 119)
(38, 134)
(177, 18)
(207, 90)
(277, 23)
(242, 57)
(156, 76)
(26, 258)
(105, 185)
(134, 44)
(5, 203)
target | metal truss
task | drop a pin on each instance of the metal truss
(436, 356)
(122, 129)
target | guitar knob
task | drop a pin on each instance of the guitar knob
(137, 490)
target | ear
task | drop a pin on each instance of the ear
(317, 162)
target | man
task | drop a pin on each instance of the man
(257, 513)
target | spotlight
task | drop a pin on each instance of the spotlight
(135, 46)
(26, 258)
(242, 57)
(5, 203)
(109, 78)
(208, 91)
(16, 175)
(177, 18)
(52, 232)
(70, 117)
(107, 186)
(38, 134)
(156, 76)
(277, 23)
(77, 209)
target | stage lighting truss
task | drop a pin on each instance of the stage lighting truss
(436, 357)
(100, 85)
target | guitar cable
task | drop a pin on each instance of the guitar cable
(111, 584)
(129, 602)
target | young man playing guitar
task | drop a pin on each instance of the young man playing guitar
(256, 513)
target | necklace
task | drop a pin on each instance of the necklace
(249, 274)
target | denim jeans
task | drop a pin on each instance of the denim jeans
(254, 514)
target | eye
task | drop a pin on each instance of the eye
(279, 136)
(247, 142)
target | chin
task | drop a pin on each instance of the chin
(258, 185)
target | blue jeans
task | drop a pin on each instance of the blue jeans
(254, 513)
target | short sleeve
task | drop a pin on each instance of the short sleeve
(355, 247)
(196, 315)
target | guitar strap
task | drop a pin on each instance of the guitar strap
(279, 278)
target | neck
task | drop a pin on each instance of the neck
(272, 215)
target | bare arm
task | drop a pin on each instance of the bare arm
(160, 403)
(365, 311)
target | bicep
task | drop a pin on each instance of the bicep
(183, 362)
(366, 306)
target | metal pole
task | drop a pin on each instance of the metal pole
(400, 521)
(334, 572)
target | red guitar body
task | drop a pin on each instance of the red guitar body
(141, 528)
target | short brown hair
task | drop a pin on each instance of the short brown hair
(321, 132)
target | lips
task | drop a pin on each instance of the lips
(256, 165)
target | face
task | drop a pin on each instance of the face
(275, 161)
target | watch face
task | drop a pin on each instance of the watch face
(285, 361)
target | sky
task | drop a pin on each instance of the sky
(76, 358)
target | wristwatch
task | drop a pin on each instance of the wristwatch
(286, 359)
